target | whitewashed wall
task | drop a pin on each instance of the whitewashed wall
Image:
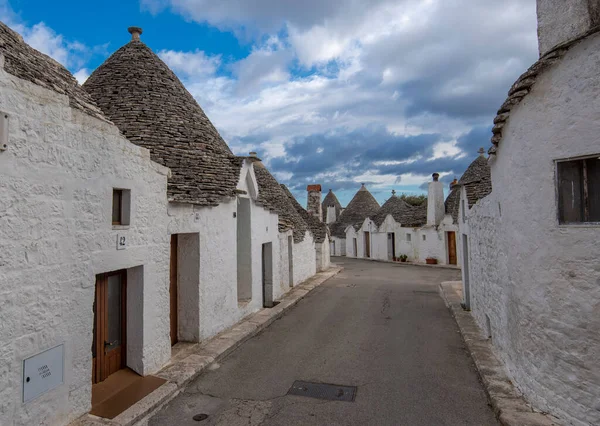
(323, 255)
(284, 271)
(340, 246)
(56, 234)
(305, 259)
(539, 282)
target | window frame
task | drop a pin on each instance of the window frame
(124, 208)
(585, 199)
(119, 193)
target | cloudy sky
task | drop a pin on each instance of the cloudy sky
(337, 92)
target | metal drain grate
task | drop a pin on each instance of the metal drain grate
(323, 391)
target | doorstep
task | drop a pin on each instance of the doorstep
(508, 404)
(190, 360)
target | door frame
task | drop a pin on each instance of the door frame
(100, 324)
(452, 247)
(173, 291)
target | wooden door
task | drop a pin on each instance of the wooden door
(173, 290)
(367, 244)
(110, 325)
(355, 248)
(390, 246)
(267, 275)
(452, 248)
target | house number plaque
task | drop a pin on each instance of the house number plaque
(121, 242)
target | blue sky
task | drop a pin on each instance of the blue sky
(336, 92)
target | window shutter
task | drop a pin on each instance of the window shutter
(570, 191)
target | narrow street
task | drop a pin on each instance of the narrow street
(377, 326)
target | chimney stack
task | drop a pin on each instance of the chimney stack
(435, 202)
(313, 201)
(135, 32)
(454, 182)
(563, 20)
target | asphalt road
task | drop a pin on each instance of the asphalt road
(377, 326)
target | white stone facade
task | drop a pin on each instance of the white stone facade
(56, 182)
(535, 284)
(337, 246)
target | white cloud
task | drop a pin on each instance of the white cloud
(195, 63)
(82, 75)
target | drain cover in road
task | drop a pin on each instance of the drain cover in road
(323, 391)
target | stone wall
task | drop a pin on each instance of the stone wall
(56, 234)
(323, 255)
(305, 260)
(340, 246)
(539, 282)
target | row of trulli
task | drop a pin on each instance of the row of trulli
(127, 225)
(531, 272)
(397, 229)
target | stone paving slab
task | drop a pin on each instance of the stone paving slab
(508, 404)
(192, 359)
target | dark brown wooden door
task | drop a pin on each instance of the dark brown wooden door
(173, 290)
(367, 244)
(452, 248)
(109, 346)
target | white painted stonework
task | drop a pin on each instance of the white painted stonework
(338, 246)
(323, 255)
(56, 234)
(539, 282)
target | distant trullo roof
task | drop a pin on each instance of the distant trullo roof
(138, 92)
(331, 200)
(363, 205)
(402, 212)
(317, 228)
(273, 197)
(477, 181)
(26, 63)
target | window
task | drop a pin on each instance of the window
(408, 237)
(121, 202)
(579, 191)
(424, 237)
(464, 212)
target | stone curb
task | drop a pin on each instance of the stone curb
(454, 268)
(195, 358)
(510, 407)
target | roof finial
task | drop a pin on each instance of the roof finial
(481, 151)
(393, 192)
(436, 176)
(135, 32)
(362, 184)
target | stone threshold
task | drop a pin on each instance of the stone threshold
(508, 404)
(190, 360)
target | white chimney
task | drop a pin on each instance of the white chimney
(563, 20)
(435, 201)
(330, 217)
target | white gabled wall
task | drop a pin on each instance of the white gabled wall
(56, 234)
(305, 260)
(340, 246)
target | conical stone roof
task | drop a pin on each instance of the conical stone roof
(26, 63)
(402, 212)
(271, 196)
(363, 205)
(331, 200)
(138, 92)
(477, 179)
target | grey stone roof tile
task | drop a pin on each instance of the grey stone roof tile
(271, 196)
(26, 63)
(363, 205)
(138, 92)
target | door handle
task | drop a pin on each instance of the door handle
(107, 344)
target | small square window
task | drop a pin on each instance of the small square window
(424, 237)
(579, 191)
(121, 207)
(408, 237)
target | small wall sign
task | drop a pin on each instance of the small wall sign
(121, 242)
(43, 372)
